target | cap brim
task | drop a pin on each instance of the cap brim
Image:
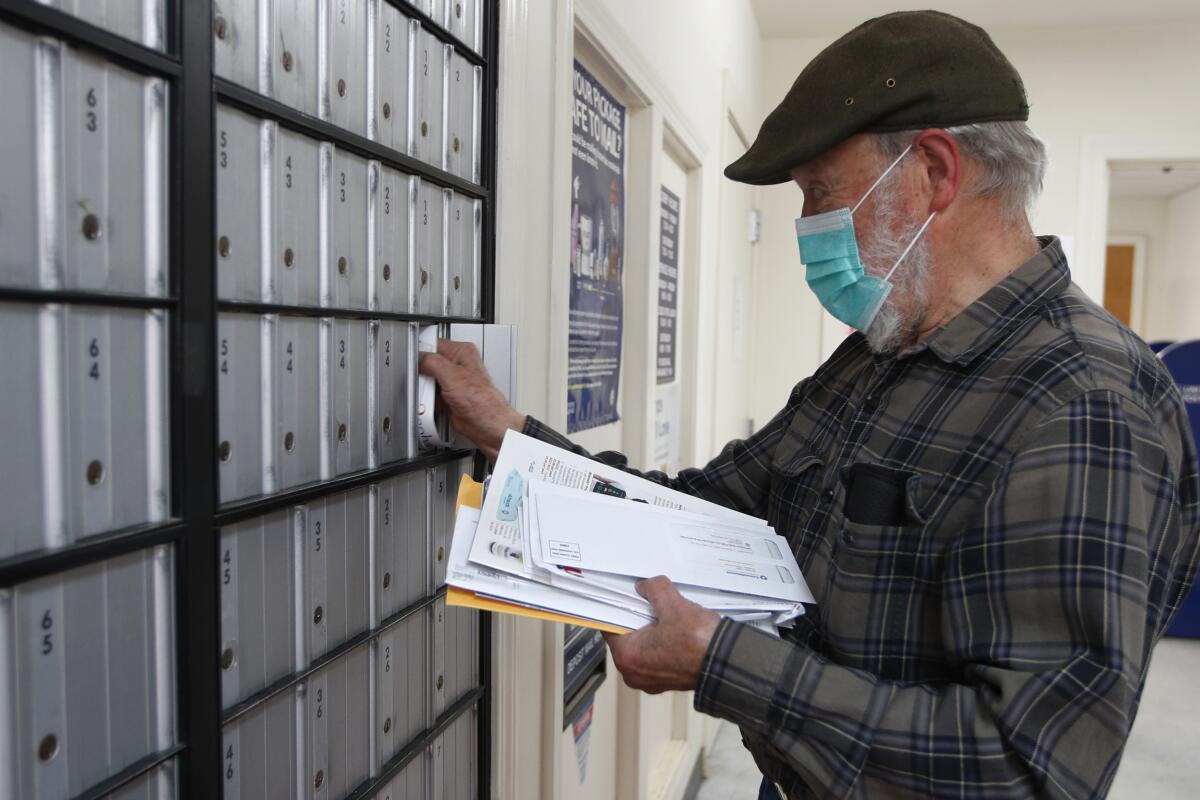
(757, 170)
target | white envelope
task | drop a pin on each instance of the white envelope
(604, 534)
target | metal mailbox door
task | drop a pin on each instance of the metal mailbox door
(299, 205)
(350, 229)
(256, 577)
(392, 217)
(295, 43)
(395, 364)
(114, 208)
(429, 99)
(260, 751)
(463, 93)
(117, 432)
(394, 34)
(242, 268)
(239, 47)
(349, 370)
(299, 412)
(402, 560)
(244, 453)
(429, 273)
(463, 296)
(347, 90)
(337, 723)
(401, 695)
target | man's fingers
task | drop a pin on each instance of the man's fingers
(659, 591)
(437, 367)
(464, 354)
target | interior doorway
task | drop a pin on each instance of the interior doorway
(1152, 249)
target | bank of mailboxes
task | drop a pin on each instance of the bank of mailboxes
(303, 399)
(297, 584)
(384, 75)
(302, 222)
(87, 684)
(84, 185)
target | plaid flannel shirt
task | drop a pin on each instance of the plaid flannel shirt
(993, 640)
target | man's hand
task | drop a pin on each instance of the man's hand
(476, 407)
(665, 655)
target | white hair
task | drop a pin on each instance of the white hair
(880, 246)
(1011, 157)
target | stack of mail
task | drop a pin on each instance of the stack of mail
(560, 536)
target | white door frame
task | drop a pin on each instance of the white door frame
(1091, 229)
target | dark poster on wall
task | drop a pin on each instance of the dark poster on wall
(668, 284)
(597, 254)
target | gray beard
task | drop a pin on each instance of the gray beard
(898, 321)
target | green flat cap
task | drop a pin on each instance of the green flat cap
(902, 71)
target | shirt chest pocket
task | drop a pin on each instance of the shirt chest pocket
(797, 476)
(883, 583)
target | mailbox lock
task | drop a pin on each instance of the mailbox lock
(227, 658)
(387, 579)
(223, 450)
(91, 227)
(289, 441)
(424, 277)
(456, 145)
(457, 282)
(95, 473)
(318, 615)
(441, 554)
(341, 87)
(424, 127)
(387, 424)
(320, 779)
(387, 725)
(48, 747)
(288, 257)
(342, 432)
(219, 24)
(223, 246)
(440, 681)
(387, 110)
(287, 60)
(458, 10)
(387, 272)
(342, 266)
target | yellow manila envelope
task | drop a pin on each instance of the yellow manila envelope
(470, 493)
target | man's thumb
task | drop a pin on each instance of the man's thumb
(659, 591)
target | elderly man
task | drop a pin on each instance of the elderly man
(992, 487)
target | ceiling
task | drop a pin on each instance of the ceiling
(827, 18)
(1151, 179)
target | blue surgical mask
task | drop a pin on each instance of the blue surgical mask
(833, 269)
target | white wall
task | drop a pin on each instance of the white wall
(1176, 298)
(1132, 84)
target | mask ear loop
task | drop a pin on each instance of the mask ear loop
(911, 244)
(879, 180)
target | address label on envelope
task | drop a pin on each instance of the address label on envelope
(604, 534)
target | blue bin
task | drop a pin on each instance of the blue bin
(1183, 359)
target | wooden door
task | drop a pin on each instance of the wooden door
(1118, 281)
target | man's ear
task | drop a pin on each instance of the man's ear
(943, 164)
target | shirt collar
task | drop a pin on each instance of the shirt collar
(992, 316)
